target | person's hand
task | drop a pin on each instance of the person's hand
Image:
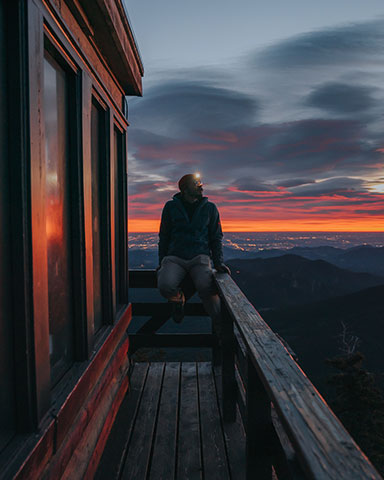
(222, 268)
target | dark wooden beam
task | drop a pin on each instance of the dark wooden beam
(142, 279)
(165, 309)
(202, 340)
(228, 366)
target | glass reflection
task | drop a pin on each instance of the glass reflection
(96, 121)
(58, 228)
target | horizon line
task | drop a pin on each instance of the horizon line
(285, 231)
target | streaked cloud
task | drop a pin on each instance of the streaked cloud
(300, 133)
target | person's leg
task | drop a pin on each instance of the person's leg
(201, 273)
(169, 278)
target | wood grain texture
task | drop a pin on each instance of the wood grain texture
(189, 461)
(228, 366)
(103, 437)
(234, 435)
(67, 411)
(144, 428)
(213, 447)
(98, 416)
(324, 448)
(114, 454)
(165, 443)
(87, 414)
(258, 427)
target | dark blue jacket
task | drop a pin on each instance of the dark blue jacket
(187, 238)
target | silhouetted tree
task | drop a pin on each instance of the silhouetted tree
(358, 402)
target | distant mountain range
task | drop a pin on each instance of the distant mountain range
(293, 280)
(313, 331)
(364, 258)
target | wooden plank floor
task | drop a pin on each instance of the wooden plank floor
(169, 426)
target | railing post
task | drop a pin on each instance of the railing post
(228, 366)
(258, 428)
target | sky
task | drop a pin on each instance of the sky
(278, 105)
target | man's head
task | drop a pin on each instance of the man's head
(191, 187)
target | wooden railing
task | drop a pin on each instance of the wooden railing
(289, 427)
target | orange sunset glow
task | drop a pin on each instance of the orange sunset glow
(318, 225)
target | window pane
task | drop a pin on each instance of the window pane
(7, 400)
(119, 172)
(96, 150)
(58, 228)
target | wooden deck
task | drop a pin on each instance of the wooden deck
(170, 427)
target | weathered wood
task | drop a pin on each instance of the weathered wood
(113, 458)
(67, 410)
(234, 435)
(165, 442)
(104, 434)
(241, 356)
(258, 428)
(285, 462)
(213, 448)
(189, 461)
(139, 451)
(324, 448)
(97, 413)
(228, 366)
(288, 347)
(241, 395)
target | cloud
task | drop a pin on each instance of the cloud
(300, 132)
(294, 182)
(379, 212)
(341, 98)
(252, 185)
(183, 106)
(341, 186)
(356, 43)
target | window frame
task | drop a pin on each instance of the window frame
(104, 204)
(31, 29)
(122, 189)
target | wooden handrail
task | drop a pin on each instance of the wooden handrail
(324, 449)
(275, 397)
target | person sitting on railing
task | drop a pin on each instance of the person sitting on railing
(190, 237)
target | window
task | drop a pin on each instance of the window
(58, 218)
(7, 400)
(97, 159)
(120, 199)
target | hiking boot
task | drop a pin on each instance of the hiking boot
(178, 309)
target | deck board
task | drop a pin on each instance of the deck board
(138, 456)
(189, 461)
(165, 443)
(170, 427)
(213, 446)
